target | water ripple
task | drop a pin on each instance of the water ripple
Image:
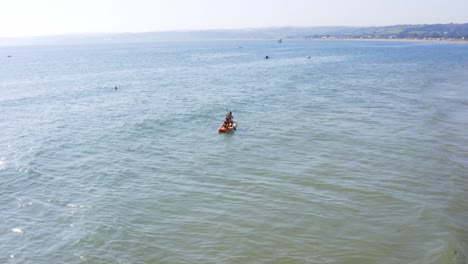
(356, 155)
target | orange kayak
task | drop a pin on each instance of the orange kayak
(227, 129)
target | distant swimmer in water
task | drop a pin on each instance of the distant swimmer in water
(115, 88)
(266, 57)
(9, 56)
(308, 57)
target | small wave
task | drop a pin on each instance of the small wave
(2, 163)
(17, 230)
(77, 206)
(22, 169)
(25, 204)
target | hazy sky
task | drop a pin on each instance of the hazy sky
(50, 17)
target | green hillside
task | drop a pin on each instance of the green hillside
(435, 31)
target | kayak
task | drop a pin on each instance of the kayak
(227, 129)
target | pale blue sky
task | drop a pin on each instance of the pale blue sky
(51, 17)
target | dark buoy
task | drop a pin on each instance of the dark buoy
(115, 88)
(266, 57)
(9, 56)
(308, 57)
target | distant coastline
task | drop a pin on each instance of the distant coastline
(437, 33)
(430, 40)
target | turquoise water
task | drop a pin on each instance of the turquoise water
(356, 155)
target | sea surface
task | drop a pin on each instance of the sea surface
(358, 154)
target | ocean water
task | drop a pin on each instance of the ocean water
(358, 154)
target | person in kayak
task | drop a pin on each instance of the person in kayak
(228, 124)
(225, 123)
(229, 118)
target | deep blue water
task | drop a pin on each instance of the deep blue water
(356, 155)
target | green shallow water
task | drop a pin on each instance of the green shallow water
(356, 155)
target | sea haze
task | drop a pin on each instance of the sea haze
(346, 152)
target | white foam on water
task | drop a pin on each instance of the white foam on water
(17, 230)
(77, 206)
(25, 204)
(21, 169)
